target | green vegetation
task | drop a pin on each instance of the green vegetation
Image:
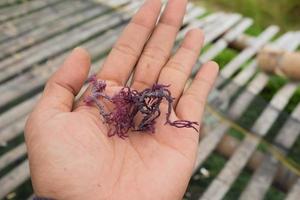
(293, 101)
(236, 134)
(200, 182)
(22, 192)
(274, 84)
(223, 58)
(284, 13)
(274, 194)
(238, 186)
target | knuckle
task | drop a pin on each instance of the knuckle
(142, 23)
(194, 97)
(117, 80)
(177, 67)
(156, 52)
(127, 49)
(141, 83)
(54, 84)
(203, 81)
(190, 51)
(169, 23)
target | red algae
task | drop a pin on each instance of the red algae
(129, 103)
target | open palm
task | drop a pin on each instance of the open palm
(69, 152)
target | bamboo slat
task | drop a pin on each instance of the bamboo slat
(27, 7)
(5, 3)
(264, 175)
(10, 132)
(49, 30)
(40, 52)
(222, 43)
(238, 160)
(14, 28)
(290, 131)
(246, 54)
(14, 178)
(12, 156)
(17, 111)
(257, 85)
(241, 79)
(210, 141)
(294, 194)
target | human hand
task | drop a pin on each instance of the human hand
(69, 152)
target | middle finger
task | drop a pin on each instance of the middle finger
(158, 49)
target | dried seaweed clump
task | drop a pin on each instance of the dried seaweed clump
(129, 103)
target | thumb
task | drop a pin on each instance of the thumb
(66, 82)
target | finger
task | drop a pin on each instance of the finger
(66, 82)
(158, 49)
(125, 53)
(178, 69)
(194, 98)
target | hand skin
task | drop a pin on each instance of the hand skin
(69, 152)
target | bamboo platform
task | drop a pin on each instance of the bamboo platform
(37, 35)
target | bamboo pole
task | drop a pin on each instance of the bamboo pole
(280, 62)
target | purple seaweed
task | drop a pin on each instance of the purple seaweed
(129, 103)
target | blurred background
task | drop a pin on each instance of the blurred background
(250, 135)
(285, 14)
